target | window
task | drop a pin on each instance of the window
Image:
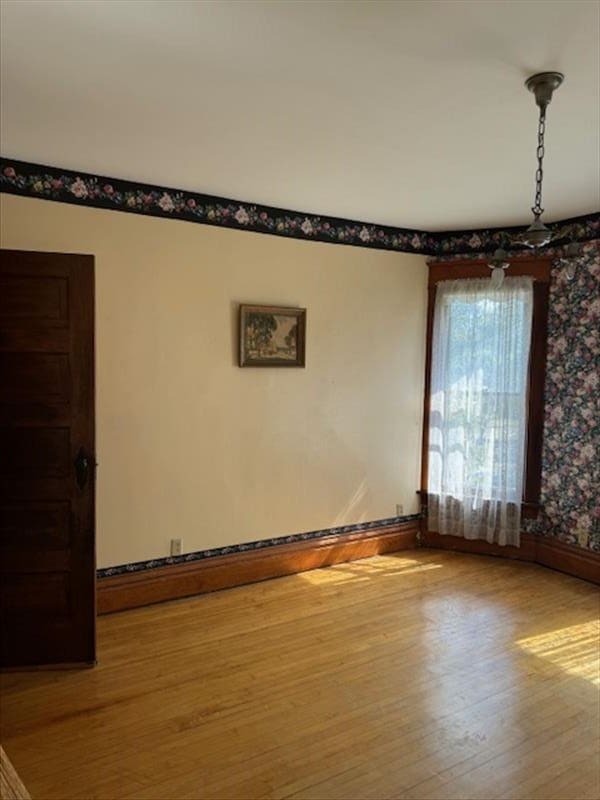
(484, 399)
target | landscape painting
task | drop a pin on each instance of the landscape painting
(272, 336)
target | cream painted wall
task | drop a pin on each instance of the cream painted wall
(189, 445)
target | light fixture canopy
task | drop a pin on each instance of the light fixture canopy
(543, 85)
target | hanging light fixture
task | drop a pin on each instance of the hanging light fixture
(542, 85)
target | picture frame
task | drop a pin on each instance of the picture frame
(272, 336)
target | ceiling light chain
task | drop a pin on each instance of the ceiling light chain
(539, 175)
(542, 85)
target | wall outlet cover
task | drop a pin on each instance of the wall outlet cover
(176, 547)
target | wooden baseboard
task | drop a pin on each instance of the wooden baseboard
(526, 552)
(551, 553)
(142, 588)
(568, 558)
(134, 589)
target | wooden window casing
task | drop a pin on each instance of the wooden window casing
(539, 268)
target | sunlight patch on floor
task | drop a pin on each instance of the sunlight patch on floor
(363, 571)
(575, 649)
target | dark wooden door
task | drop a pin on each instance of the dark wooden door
(47, 476)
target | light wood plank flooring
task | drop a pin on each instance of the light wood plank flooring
(423, 674)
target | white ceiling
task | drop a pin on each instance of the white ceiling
(406, 113)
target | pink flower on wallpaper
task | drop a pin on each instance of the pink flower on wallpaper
(166, 202)
(241, 215)
(553, 481)
(594, 307)
(585, 522)
(560, 345)
(78, 188)
(556, 414)
(587, 453)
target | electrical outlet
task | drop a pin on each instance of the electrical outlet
(175, 547)
(399, 509)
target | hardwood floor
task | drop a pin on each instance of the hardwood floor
(422, 674)
(11, 786)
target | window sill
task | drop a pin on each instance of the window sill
(529, 510)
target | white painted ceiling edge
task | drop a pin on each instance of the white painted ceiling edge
(410, 114)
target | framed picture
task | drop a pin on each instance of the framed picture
(272, 336)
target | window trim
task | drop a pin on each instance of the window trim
(539, 269)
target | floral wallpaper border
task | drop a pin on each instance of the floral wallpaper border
(478, 243)
(200, 555)
(81, 188)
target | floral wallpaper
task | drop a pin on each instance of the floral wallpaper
(571, 455)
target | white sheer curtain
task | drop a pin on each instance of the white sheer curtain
(477, 426)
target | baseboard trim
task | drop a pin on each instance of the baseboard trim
(534, 548)
(148, 586)
(568, 558)
(130, 590)
(526, 552)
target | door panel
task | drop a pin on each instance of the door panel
(47, 596)
(36, 377)
(30, 452)
(35, 526)
(35, 298)
(47, 547)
